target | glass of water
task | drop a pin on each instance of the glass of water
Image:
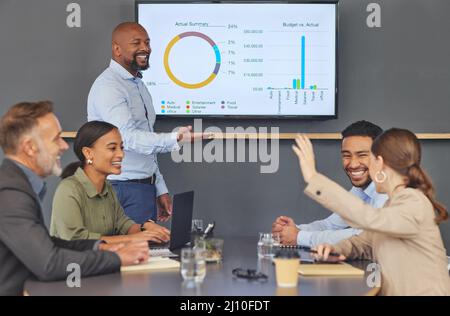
(193, 265)
(276, 239)
(197, 226)
(266, 244)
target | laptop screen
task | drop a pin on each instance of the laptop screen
(183, 206)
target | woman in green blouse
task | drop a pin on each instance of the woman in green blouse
(85, 205)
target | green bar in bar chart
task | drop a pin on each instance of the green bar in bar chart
(298, 84)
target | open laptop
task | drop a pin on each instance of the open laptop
(180, 227)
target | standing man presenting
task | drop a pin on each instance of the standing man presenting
(120, 97)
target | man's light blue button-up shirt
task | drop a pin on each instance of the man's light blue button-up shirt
(333, 229)
(121, 99)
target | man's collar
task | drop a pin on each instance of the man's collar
(87, 184)
(370, 191)
(121, 71)
(37, 183)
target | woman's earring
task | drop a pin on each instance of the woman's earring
(383, 177)
(89, 161)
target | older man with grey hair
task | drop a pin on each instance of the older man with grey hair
(30, 136)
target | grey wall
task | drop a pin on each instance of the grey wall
(395, 76)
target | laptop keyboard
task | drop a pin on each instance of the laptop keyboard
(161, 252)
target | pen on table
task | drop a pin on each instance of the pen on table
(209, 229)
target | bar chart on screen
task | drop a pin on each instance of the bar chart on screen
(242, 59)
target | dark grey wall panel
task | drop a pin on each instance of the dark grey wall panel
(44, 59)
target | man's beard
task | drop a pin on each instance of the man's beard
(362, 185)
(48, 165)
(135, 66)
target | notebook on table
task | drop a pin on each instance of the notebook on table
(332, 269)
(153, 263)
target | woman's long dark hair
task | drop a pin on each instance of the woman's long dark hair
(87, 135)
(402, 152)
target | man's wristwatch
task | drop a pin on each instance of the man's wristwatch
(142, 225)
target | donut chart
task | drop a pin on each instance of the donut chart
(198, 84)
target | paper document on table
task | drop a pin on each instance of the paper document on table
(323, 269)
(153, 263)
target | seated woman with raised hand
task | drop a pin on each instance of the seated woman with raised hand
(85, 205)
(403, 237)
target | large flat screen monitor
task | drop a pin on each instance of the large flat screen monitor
(246, 59)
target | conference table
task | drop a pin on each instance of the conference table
(239, 252)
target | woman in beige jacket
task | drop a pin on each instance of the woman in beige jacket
(403, 237)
